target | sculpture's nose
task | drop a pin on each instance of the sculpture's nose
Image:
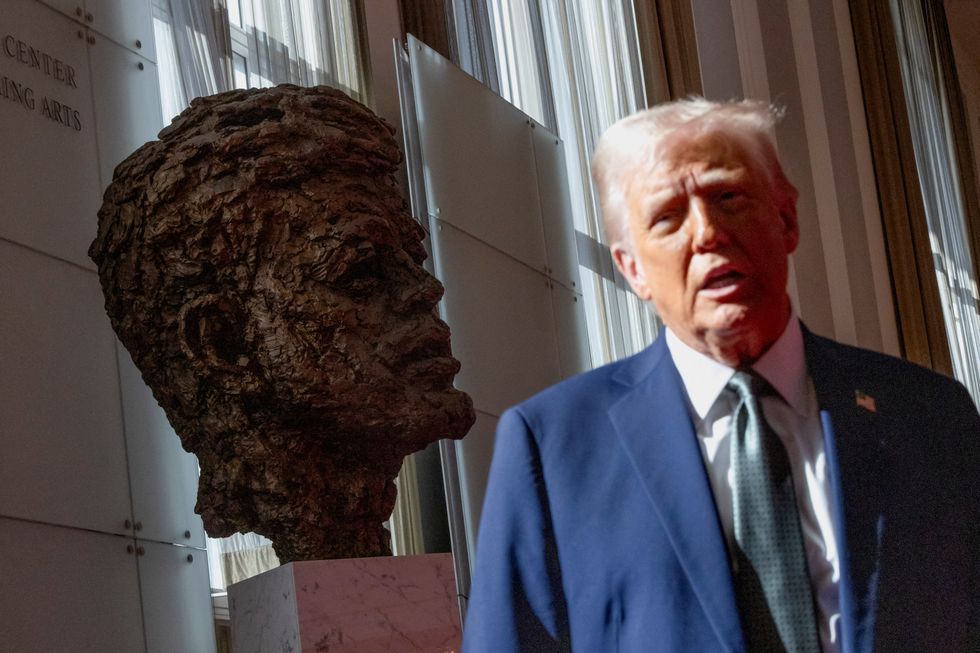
(421, 295)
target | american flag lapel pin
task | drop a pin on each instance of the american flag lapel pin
(865, 401)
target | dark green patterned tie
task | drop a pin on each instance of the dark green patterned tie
(772, 584)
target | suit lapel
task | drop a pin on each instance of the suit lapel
(654, 427)
(852, 444)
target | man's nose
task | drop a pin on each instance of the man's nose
(706, 233)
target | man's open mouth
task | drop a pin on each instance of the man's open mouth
(722, 278)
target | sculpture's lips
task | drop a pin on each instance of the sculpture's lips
(440, 368)
(430, 344)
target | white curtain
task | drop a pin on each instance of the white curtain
(305, 42)
(233, 559)
(574, 66)
(193, 50)
(942, 195)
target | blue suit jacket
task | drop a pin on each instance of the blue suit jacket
(599, 530)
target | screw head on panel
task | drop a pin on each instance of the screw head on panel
(138, 526)
(80, 34)
(130, 549)
(127, 524)
(139, 44)
(140, 550)
(190, 557)
(91, 40)
(78, 11)
(187, 535)
(89, 17)
(140, 65)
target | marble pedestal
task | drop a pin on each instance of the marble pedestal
(364, 605)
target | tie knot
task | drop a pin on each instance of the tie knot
(747, 383)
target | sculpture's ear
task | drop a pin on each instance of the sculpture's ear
(212, 336)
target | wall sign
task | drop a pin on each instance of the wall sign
(37, 62)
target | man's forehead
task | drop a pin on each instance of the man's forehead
(692, 150)
(678, 163)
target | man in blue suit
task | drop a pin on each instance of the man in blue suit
(742, 484)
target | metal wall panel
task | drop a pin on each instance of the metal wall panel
(502, 320)
(574, 355)
(61, 432)
(176, 598)
(163, 476)
(556, 211)
(50, 182)
(127, 104)
(474, 453)
(493, 186)
(67, 590)
(127, 22)
(479, 164)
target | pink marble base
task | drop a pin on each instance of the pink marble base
(365, 605)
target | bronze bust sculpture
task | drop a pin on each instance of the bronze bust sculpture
(260, 265)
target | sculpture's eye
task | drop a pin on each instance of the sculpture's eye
(363, 277)
(356, 270)
(343, 266)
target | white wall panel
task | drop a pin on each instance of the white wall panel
(479, 166)
(473, 454)
(176, 599)
(124, 21)
(556, 212)
(64, 458)
(503, 324)
(574, 355)
(127, 103)
(70, 8)
(67, 590)
(50, 183)
(162, 475)
(503, 244)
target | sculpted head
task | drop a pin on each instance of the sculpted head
(701, 220)
(260, 265)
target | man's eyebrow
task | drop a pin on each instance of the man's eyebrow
(662, 196)
(719, 177)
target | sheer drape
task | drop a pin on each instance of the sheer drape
(193, 50)
(942, 195)
(573, 65)
(306, 42)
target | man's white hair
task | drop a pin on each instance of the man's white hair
(632, 145)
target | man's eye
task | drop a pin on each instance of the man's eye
(730, 198)
(664, 219)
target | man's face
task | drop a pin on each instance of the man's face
(709, 241)
(347, 328)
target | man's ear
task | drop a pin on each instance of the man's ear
(212, 336)
(631, 269)
(791, 225)
(786, 195)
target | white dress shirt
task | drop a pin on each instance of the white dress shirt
(795, 418)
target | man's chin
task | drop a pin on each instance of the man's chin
(737, 335)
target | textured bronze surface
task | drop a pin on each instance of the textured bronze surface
(260, 265)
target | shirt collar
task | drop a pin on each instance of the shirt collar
(783, 365)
